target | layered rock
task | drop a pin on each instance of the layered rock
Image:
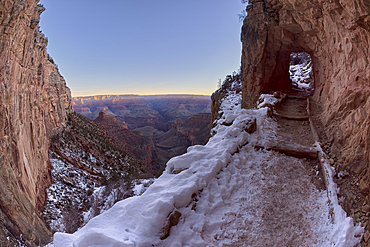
(184, 133)
(140, 147)
(34, 102)
(153, 147)
(336, 34)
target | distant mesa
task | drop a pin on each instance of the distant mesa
(140, 147)
(158, 111)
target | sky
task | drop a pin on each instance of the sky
(143, 47)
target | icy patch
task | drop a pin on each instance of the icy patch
(266, 100)
(242, 206)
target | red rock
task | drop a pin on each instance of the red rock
(34, 102)
(140, 147)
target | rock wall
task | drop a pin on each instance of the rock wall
(34, 102)
(336, 33)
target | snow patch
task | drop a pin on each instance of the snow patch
(267, 100)
(344, 232)
(301, 74)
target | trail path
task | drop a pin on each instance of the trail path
(271, 199)
(285, 209)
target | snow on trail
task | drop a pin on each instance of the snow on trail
(228, 194)
(261, 199)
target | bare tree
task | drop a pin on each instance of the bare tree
(243, 13)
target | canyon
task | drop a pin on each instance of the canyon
(153, 128)
(153, 147)
(37, 112)
(36, 116)
(136, 111)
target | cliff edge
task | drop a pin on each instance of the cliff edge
(34, 102)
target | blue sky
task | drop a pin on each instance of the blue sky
(143, 47)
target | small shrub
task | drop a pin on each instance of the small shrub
(72, 218)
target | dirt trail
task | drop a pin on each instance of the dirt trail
(284, 210)
(298, 132)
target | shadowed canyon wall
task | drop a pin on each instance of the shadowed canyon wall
(336, 33)
(34, 102)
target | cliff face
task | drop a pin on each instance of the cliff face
(34, 102)
(336, 34)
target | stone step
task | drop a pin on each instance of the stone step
(292, 117)
(299, 152)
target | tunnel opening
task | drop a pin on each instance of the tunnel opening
(301, 73)
(292, 74)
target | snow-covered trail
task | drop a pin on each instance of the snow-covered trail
(229, 193)
(262, 198)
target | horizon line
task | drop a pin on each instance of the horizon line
(174, 94)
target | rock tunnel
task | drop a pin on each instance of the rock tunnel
(270, 36)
